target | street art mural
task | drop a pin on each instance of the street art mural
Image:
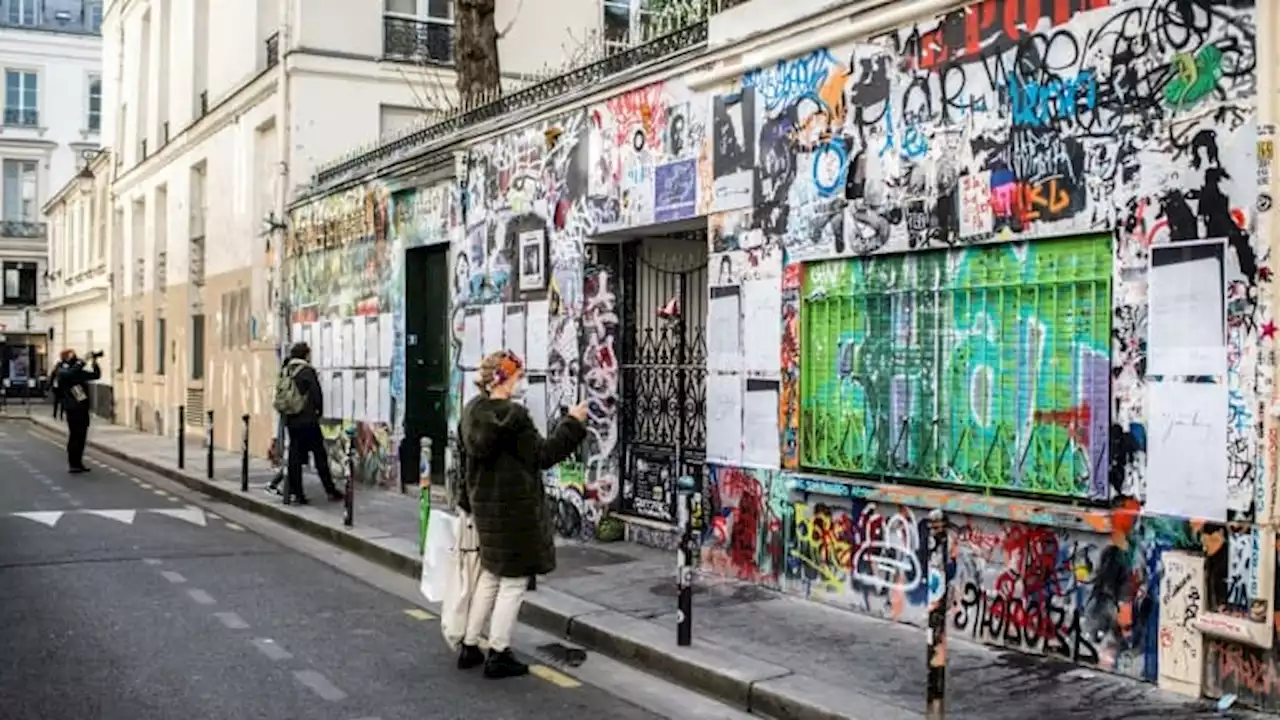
(338, 287)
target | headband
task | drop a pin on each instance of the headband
(508, 366)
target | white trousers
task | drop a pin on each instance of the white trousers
(496, 603)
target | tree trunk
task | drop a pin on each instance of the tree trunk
(476, 49)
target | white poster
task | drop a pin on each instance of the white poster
(762, 314)
(347, 358)
(492, 333)
(472, 343)
(537, 324)
(385, 408)
(513, 330)
(1187, 311)
(760, 424)
(325, 357)
(536, 402)
(349, 400)
(360, 337)
(295, 332)
(359, 397)
(724, 419)
(372, 342)
(724, 315)
(1187, 449)
(386, 339)
(334, 405)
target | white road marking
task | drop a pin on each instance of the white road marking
(201, 597)
(173, 577)
(151, 561)
(44, 518)
(320, 685)
(233, 526)
(271, 649)
(232, 621)
(124, 516)
(193, 515)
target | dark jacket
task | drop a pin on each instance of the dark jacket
(73, 378)
(503, 459)
(308, 383)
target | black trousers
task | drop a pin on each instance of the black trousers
(306, 440)
(78, 434)
(57, 406)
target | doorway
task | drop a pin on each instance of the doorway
(426, 355)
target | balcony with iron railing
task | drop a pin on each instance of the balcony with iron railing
(417, 41)
(21, 117)
(195, 268)
(273, 49)
(22, 229)
(32, 16)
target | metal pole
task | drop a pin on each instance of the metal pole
(182, 436)
(424, 492)
(208, 433)
(244, 455)
(684, 562)
(349, 499)
(939, 594)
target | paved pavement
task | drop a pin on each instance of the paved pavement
(123, 600)
(774, 655)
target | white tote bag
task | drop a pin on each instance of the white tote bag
(460, 587)
(442, 533)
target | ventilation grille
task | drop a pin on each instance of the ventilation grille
(195, 408)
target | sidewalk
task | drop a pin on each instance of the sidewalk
(773, 655)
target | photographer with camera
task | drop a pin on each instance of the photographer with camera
(73, 379)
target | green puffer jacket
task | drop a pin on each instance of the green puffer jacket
(504, 456)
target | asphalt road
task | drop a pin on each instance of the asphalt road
(121, 601)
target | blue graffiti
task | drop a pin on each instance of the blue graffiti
(1039, 104)
(830, 166)
(789, 80)
(915, 144)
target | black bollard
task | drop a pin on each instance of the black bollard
(349, 499)
(244, 456)
(684, 562)
(939, 594)
(182, 436)
(209, 445)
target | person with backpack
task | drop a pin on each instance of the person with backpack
(300, 402)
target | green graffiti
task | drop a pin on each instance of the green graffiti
(1196, 77)
(985, 367)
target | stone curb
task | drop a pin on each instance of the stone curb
(752, 685)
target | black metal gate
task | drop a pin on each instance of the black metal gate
(664, 370)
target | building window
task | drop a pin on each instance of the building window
(160, 342)
(139, 343)
(418, 30)
(119, 347)
(95, 103)
(95, 18)
(19, 283)
(20, 191)
(24, 12)
(21, 95)
(623, 23)
(197, 347)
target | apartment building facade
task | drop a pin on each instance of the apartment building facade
(50, 56)
(216, 110)
(76, 308)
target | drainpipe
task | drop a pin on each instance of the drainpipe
(1258, 629)
(284, 142)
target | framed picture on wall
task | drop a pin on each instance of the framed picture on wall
(533, 260)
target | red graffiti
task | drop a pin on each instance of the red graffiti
(991, 27)
(1075, 420)
(1038, 200)
(1241, 670)
(642, 112)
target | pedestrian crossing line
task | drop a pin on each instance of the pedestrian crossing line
(419, 614)
(50, 518)
(553, 676)
(233, 526)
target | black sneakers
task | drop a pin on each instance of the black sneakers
(469, 657)
(504, 665)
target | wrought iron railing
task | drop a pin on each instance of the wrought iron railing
(142, 149)
(22, 229)
(683, 39)
(419, 41)
(273, 49)
(204, 103)
(195, 269)
(21, 117)
(164, 133)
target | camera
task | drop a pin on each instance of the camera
(95, 354)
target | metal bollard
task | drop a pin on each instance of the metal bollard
(244, 455)
(208, 443)
(182, 436)
(939, 594)
(424, 493)
(685, 488)
(349, 499)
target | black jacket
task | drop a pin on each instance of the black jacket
(308, 383)
(503, 459)
(73, 378)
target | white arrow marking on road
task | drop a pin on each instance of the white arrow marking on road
(195, 516)
(44, 518)
(124, 516)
